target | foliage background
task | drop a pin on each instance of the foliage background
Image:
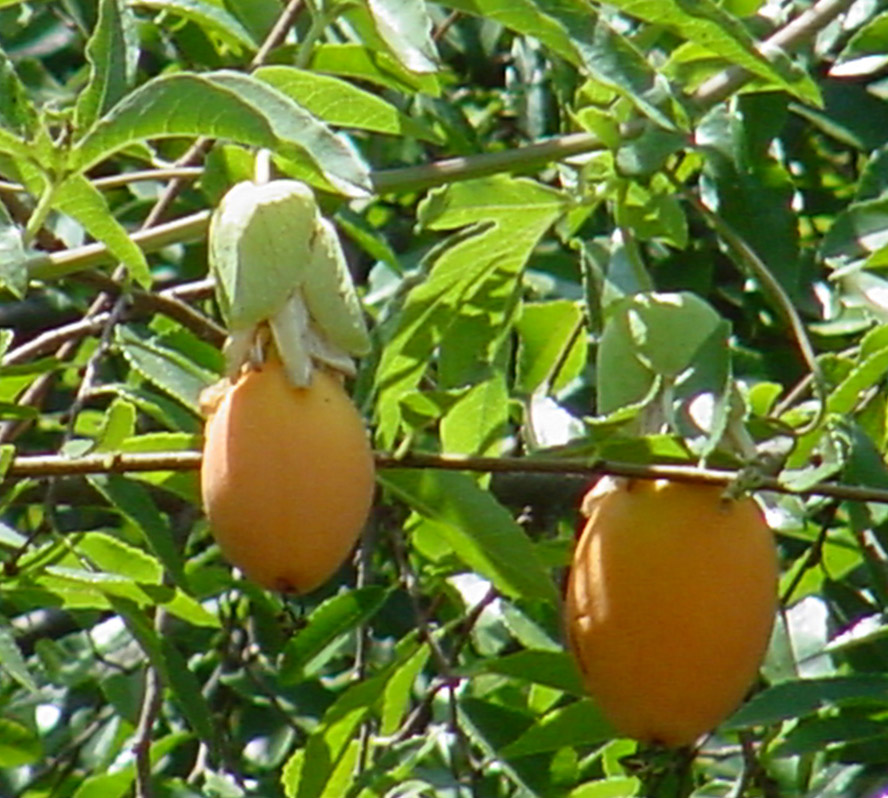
(588, 237)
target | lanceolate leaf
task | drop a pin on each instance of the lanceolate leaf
(135, 503)
(78, 198)
(332, 619)
(17, 112)
(580, 723)
(168, 369)
(341, 103)
(109, 52)
(481, 531)
(225, 105)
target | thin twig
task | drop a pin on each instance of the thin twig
(151, 702)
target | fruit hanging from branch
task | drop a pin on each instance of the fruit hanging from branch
(287, 478)
(670, 603)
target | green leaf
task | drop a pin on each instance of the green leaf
(18, 744)
(801, 697)
(17, 112)
(552, 668)
(329, 621)
(12, 661)
(82, 201)
(551, 334)
(573, 30)
(188, 693)
(13, 254)
(110, 52)
(481, 531)
(338, 102)
(614, 787)
(363, 63)
(706, 23)
(107, 785)
(135, 504)
(477, 268)
(168, 369)
(116, 557)
(649, 335)
(212, 17)
(405, 26)
(7, 455)
(813, 735)
(858, 231)
(119, 424)
(309, 771)
(225, 105)
(398, 691)
(491, 727)
(578, 724)
(477, 423)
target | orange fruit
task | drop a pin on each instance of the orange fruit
(670, 603)
(287, 478)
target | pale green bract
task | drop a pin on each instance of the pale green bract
(277, 261)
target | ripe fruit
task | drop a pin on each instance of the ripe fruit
(287, 477)
(670, 603)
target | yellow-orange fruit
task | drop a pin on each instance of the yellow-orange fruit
(287, 477)
(670, 603)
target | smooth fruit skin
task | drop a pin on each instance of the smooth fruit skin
(287, 478)
(670, 604)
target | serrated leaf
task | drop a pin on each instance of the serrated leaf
(119, 424)
(111, 65)
(578, 724)
(330, 620)
(338, 102)
(135, 503)
(17, 112)
(167, 369)
(211, 17)
(80, 200)
(116, 557)
(225, 105)
(480, 530)
(12, 661)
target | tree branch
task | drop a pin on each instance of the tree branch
(38, 466)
